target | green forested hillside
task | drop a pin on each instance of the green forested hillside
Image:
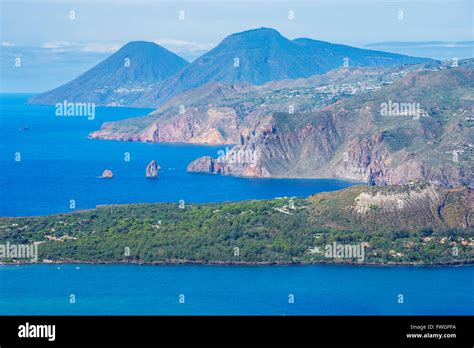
(402, 224)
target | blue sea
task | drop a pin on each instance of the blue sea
(235, 290)
(59, 163)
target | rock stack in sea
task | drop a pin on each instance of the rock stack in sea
(107, 174)
(152, 169)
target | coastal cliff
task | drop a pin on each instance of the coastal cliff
(353, 139)
(202, 121)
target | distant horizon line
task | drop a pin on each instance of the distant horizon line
(190, 51)
(39, 92)
(164, 42)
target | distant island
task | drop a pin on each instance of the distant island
(144, 74)
(283, 108)
(298, 108)
(415, 224)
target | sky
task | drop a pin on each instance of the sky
(58, 40)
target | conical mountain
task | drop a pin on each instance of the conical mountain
(119, 79)
(261, 55)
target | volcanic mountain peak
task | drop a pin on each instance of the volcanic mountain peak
(119, 79)
(146, 75)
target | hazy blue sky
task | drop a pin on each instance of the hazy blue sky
(55, 48)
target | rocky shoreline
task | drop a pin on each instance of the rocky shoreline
(235, 263)
(348, 139)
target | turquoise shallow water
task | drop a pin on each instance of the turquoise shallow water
(226, 290)
(59, 163)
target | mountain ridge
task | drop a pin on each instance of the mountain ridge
(258, 56)
(255, 56)
(352, 139)
(245, 104)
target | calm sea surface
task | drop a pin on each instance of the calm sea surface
(59, 163)
(226, 290)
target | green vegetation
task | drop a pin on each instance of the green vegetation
(271, 231)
